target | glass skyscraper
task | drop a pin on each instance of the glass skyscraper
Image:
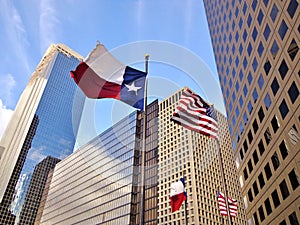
(45, 122)
(256, 47)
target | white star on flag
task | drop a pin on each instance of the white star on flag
(132, 87)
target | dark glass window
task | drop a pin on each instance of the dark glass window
(245, 174)
(255, 188)
(283, 150)
(267, 67)
(267, 32)
(245, 145)
(294, 179)
(261, 180)
(292, 8)
(260, 17)
(255, 126)
(237, 61)
(283, 108)
(241, 154)
(261, 81)
(237, 86)
(260, 49)
(237, 38)
(255, 218)
(255, 95)
(240, 23)
(283, 69)
(275, 161)
(282, 222)
(245, 63)
(293, 49)
(254, 33)
(293, 92)
(254, 64)
(233, 25)
(250, 137)
(255, 157)
(250, 196)
(275, 124)
(293, 219)
(268, 171)
(245, 34)
(275, 86)
(261, 213)
(284, 190)
(249, 49)
(274, 49)
(261, 147)
(249, 77)
(282, 29)
(237, 111)
(267, 101)
(275, 198)
(249, 20)
(245, 118)
(233, 96)
(261, 114)
(245, 90)
(245, 8)
(254, 4)
(266, 2)
(250, 107)
(241, 128)
(268, 136)
(274, 12)
(241, 101)
(268, 206)
(250, 167)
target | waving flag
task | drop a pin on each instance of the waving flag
(222, 204)
(195, 114)
(232, 203)
(178, 195)
(101, 75)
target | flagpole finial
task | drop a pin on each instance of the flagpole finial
(147, 56)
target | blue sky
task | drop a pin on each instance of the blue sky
(174, 33)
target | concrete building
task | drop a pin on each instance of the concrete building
(256, 47)
(44, 123)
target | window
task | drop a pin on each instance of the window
(283, 150)
(268, 171)
(294, 179)
(275, 198)
(274, 12)
(268, 136)
(293, 219)
(245, 146)
(275, 124)
(293, 49)
(268, 206)
(255, 188)
(250, 137)
(245, 90)
(267, 101)
(249, 20)
(261, 147)
(282, 29)
(260, 49)
(250, 107)
(254, 64)
(245, 118)
(274, 49)
(249, 77)
(245, 63)
(250, 167)
(237, 86)
(283, 69)
(275, 86)
(261, 213)
(241, 154)
(284, 190)
(254, 4)
(260, 81)
(275, 161)
(250, 196)
(282, 222)
(267, 32)
(249, 49)
(292, 8)
(293, 92)
(261, 180)
(261, 114)
(255, 126)
(245, 174)
(255, 157)
(267, 67)
(254, 33)
(245, 34)
(256, 222)
(283, 108)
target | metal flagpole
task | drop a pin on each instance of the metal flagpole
(143, 153)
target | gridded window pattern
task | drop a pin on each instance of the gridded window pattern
(268, 54)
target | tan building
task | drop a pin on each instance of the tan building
(185, 153)
(256, 47)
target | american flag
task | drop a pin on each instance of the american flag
(232, 203)
(195, 114)
(222, 204)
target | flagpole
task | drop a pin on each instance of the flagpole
(223, 181)
(143, 153)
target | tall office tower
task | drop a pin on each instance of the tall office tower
(45, 121)
(256, 47)
(98, 184)
(187, 154)
(35, 190)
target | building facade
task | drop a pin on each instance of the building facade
(195, 157)
(44, 123)
(256, 47)
(100, 182)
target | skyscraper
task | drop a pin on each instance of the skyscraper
(183, 153)
(44, 123)
(256, 47)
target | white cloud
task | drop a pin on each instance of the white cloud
(5, 115)
(36, 155)
(7, 85)
(49, 24)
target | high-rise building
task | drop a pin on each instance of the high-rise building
(100, 182)
(45, 121)
(256, 47)
(183, 153)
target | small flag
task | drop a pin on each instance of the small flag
(232, 203)
(195, 114)
(178, 195)
(101, 75)
(222, 203)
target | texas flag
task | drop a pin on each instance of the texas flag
(178, 195)
(101, 75)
